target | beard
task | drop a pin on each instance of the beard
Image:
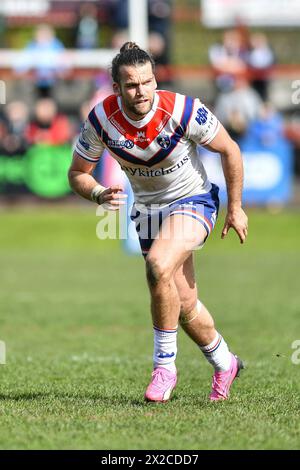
(138, 109)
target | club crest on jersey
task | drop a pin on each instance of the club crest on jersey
(127, 144)
(164, 141)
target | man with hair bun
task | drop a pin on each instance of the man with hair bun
(153, 134)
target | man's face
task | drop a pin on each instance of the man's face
(136, 88)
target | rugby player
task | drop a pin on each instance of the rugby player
(154, 137)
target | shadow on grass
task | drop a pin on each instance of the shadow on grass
(23, 396)
(100, 398)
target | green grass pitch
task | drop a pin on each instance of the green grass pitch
(75, 320)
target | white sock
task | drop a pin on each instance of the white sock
(165, 348)
(217, 354)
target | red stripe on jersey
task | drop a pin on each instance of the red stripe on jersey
(166, 100)
(141, 136)
(110, 105)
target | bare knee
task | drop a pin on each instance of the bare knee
(158, 271)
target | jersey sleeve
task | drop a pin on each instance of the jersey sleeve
(203, 125)
(88, 144)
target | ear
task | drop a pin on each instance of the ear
(116, 89)
(155, 83)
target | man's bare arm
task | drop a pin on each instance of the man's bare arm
(84, 184)
(232, 164)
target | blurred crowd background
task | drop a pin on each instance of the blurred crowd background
(53, 71)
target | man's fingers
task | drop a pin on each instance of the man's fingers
(115, 198)
(224, 231)
(115, 189)
(242, 237)
(109, 207)
(239, 222)
(242, 233)
(112, 190)
(112, 196)
(119, 196)
(116, 202)
(113, 205)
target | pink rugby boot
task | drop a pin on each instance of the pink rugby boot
(222, 380)
(161, 386)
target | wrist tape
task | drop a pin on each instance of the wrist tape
(96, 192)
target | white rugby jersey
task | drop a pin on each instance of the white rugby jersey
(157, 153)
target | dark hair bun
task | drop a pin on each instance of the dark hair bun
(128, 45)
(130, 54)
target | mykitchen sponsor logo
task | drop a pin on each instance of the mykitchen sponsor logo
(147, 173)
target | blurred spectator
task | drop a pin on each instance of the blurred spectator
(14, 127)
(103, 86)
(159, 28)
(242, 55)
(292, 129)
(87, 27)
(119, 14)
(260, 60)
(84, 111)
(119, 38)
(267, 129)
(2, 30)
(44, 56)
(120, 22)
(159, 15)
(157, 47)
(229, 59)
(237, 108)
(48, 126)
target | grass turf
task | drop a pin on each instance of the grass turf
(76, 323)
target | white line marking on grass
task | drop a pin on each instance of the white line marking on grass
(85, 357)
(2, 352)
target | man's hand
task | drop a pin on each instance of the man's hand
(111, 199)
(236, 219)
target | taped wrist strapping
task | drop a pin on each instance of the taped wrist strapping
(96, 192)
